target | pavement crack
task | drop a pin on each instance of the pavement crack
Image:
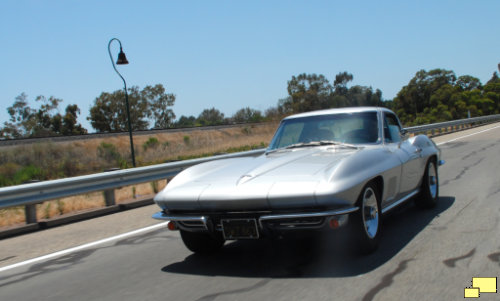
(494, 192)
(462, 173)
(7, 258)
(494, 257)
(236, 291)
(387, 280)
(475, 152)
(451, 261)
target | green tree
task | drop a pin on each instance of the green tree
(247, 115)
(313, 92)
(42, 122)
(20, 122)
(108, 114)
(160, 105)
(307, 92)
(468, 83)
(69, 122)
(340, 83)
(415, 97)
(492, 91)
(211, 117)
(185, 122)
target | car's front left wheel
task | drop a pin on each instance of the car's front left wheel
(429, 190)
(367, 220)
(202, 242)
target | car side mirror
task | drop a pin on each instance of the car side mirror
(404, 133)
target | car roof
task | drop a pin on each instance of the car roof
(338, 111)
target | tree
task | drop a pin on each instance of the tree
(413, 98)
(313, 92)
(69, 122)
(492, 91)
(42, 122)
(493, 78)
(160, 105)
(108, 114)
(340, 83)
(185, 122)
(247, 115)
(211, 117)
(20, 115)
(308, 92)
(468, 83)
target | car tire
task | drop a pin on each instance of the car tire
(429, 189)
(202, 242)
(367, 220)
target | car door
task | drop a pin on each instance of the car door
(408, 154)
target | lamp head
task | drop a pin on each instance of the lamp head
(122, 59)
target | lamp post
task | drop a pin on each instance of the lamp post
(122, 60)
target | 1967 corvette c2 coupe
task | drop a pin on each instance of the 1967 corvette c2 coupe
(323, 170)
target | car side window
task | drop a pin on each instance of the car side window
(392, 129)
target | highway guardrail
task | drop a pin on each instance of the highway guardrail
(28, 195)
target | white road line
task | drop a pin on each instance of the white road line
(88, 245)
(67, 251)
(498, 126)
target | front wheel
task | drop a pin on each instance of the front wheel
(367, 220)
(202, 242)
(429, 190)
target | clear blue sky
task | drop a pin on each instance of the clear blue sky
(233, 54)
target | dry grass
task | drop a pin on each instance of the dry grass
(71, 158)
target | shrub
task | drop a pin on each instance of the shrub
(108, 152)
(246, 130)
(152, 142)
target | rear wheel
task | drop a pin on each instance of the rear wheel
(429, 190)
(202, 242)
(367, 220)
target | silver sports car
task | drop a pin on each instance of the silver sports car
(323, 170)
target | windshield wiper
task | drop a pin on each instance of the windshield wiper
(303, 144)
(320, 143)
(313, 143)
(332, 142)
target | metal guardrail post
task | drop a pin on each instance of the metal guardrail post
(109, 194)
(30, 214)
(30, 210)
(109, 197)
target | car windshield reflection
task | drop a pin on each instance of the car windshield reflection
(346, 129)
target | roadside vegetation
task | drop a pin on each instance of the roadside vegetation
(45, 161)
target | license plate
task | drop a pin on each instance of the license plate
(239, 229)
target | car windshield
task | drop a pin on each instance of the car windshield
(351, 128)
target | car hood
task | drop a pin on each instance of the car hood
(282, 179)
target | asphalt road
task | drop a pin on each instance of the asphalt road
(424, 254)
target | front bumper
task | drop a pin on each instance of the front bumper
(279, 221)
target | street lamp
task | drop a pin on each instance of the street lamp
(122, 60)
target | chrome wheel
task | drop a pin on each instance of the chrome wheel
(432, 179)
(429, 190)
(366, 222)
(370, 212)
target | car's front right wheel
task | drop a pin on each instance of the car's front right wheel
(366, 223)
(202, 242)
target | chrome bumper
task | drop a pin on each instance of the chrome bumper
(200, 222)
